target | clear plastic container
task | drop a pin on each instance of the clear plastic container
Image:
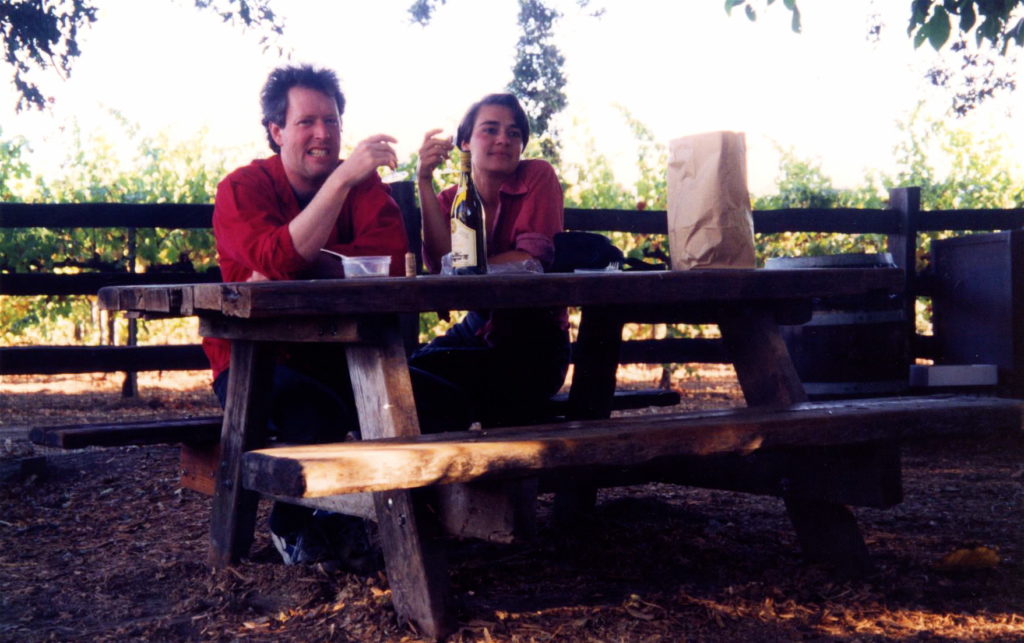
(363, 267)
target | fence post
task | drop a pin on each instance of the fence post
(130, 385)
(905, 204)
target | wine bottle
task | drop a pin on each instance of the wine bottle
(469, 241)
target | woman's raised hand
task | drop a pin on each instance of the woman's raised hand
(434, 151)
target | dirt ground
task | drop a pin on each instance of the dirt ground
(103, 545)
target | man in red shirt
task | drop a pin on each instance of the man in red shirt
(270, 219)
(273, 216)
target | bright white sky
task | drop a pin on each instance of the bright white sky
(679, 67)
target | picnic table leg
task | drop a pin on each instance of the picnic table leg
(596, 362)
(233, 516)
(761, 359)
(827, 531)
(411, 536)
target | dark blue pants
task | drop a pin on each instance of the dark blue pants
(506, 383)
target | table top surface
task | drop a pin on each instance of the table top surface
(434, 292)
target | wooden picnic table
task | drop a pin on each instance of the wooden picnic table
(364, 316)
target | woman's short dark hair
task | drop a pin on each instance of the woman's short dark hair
(274, 96)
(465, 131)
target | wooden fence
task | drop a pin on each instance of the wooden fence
(903, 222)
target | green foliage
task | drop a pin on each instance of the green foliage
(13, 168)
(652, 162)
(593, 185)
(976, 77)
(803, 184)
(931, 21)
(975, 172)
(954, 168)
(751, 13)
(158, 171)
(537, 77)
(39, 34)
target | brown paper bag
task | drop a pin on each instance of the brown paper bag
(709, 219)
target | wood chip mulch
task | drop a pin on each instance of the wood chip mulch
(104, 546)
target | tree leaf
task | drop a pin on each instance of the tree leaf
(1017, 33)
(918, 14)
(967, 17)
(730, 4)
(965, 559)
(795, 25)
(989, 29)
(920, 37)
(751, 14)
(937, 28)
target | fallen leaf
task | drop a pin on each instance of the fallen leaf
(635, 613)
(965, 559)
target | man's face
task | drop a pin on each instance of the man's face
(310, 139)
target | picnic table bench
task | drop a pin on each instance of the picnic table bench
(818, 457)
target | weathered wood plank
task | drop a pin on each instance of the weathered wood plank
(233, 515)
(404, 294)
(194, 429)
(594, 220)
(842, 220)
(838, 220)
(87, 283)
(106, 215)
(623, 400)
(864, 475)
(465, 456)
(198, 464)
(971, 219)
(306, 329)
(763, 365)
(18, 360)
(410, 532)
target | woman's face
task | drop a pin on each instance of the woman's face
(496, 142)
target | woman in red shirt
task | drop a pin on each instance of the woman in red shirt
(508, 361)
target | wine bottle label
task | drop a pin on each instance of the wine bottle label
(464, 252)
